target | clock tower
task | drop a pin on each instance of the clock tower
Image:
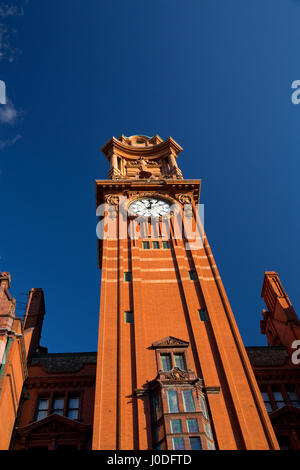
(172, 371)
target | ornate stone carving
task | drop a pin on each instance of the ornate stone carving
(184, 198)
(170, 341)
(177, 374)
(112, 199)
(199, 385)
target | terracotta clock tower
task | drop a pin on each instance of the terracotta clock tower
(172, 370)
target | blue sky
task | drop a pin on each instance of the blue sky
(214, 75)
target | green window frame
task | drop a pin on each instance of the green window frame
(146, 245)
(127, 276)
(128, 317)
(155, 245)
(165, 245)
(203, 315)
(193, 275)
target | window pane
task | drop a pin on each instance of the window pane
(266, 399)
(166, 363)
(43, 404)
(188, 400)
(178, 443)
(58, 403)
(195, 443)
(208, 430)
(127, 277)
(268, 406)
(155, 245)
(176, 426)
(42, 409)
(41, 415)
(146, 245)
(294, 397)
(74, 402)
(203, 315)
(203, 406)
(165, 245)
(172, 401)
(179, 361)
(73, 414)
(210, 445)
(192, 425)
(193, 275)
(128, 317)
(73, 407)
(278, 397)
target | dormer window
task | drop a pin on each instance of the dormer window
(171, 352)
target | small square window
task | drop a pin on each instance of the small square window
(127, 276)
(192, 425)
(203, 315)
(128, 317)
(193, 275)
(195, 443)
(146, 245)
(155, 245)
(176, 426)
(165, 245)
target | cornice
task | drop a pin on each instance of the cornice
(119, 187)
(131, 152)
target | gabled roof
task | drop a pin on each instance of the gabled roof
(170, 342)
(53, 424)
(284, 415)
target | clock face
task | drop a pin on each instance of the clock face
(150, 207)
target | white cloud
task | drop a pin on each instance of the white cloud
(8, 143)
(10, 10)
(8, 113)
(7, 52)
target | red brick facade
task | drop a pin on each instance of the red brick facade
(171, 370)
(165, 301)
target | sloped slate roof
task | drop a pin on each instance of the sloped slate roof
(64, 362)
(267, 355)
